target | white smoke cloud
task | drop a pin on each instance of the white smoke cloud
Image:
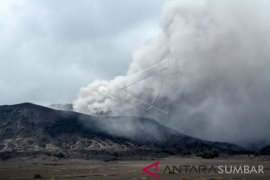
(217, 83)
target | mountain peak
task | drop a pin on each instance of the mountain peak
(23, 105)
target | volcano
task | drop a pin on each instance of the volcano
(31, 130)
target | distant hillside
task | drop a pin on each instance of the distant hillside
(28, 129)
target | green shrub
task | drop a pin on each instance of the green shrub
(37, 176)
(186, 152)
(206, 154)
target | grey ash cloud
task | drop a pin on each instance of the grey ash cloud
(217, 84)
(49, 49)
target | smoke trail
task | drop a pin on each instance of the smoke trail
(217, 83)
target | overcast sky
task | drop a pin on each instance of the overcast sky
(49, 49)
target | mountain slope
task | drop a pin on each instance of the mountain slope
(27, 129)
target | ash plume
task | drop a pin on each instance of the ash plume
(217, 84)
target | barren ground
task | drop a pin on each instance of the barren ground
(76, 169)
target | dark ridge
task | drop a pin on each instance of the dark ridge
(28, 128)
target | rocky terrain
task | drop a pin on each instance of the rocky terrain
(31, 130)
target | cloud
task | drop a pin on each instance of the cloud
(217, 84)
(48, 49)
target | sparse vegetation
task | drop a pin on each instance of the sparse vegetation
(209, 154)
(36, 176)
(186, 152)
(115, 154)
(256, 154)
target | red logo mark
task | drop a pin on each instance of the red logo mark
(146, 170)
